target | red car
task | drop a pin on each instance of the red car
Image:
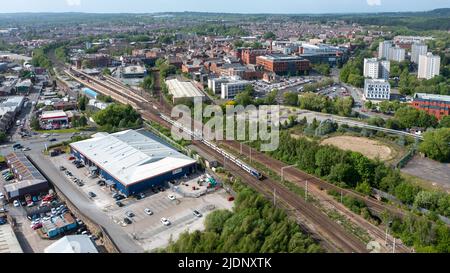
(36, 226)
(71, 158)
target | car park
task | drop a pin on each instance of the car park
(148, 211)
(165, 221)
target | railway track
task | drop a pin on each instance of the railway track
(335, 238)
(299, 177)
(320, 223)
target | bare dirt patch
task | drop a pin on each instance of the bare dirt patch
(368, 147)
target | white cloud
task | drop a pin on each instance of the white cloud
(73, 3)
(374, 2)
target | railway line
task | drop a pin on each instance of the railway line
(152, 110)
(334, 237)
(299, 177)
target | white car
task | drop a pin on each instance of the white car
(26, 149)
(171, 197)
(148, 211)
(16, 203)
(165, 221)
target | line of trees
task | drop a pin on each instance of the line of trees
(315, 102)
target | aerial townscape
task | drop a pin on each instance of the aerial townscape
(95, 157)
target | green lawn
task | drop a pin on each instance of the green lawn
(61, 131)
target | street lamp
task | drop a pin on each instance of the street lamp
(282, 169)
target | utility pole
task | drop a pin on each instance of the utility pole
(306, 190)
(393, 247)
(274, 196)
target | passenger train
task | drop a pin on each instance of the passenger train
(228, 156)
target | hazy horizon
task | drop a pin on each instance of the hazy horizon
(229, 6)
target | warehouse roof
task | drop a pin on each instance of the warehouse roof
(8, 240)
(72, 244)
(183, 89)
(132, 156)
(53, 114)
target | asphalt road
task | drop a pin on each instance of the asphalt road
(122, 240)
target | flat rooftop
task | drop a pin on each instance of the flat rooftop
(183, 89)
(8, 240)
(425, 96)
(132, 156)
(281, 57)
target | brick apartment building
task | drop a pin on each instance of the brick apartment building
(283, 64)
(436, 105)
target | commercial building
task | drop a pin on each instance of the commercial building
(133, 160)
(54, 120)
(377, 89)
(10, 107)
(134, 71)
(376, 69)
(30, 180)
(429, 66)
(180, 89)
(249, 55)
(417, 50)
(230, 89)
(57, 225)
(436, 105)
(215, 84)
(397, 54)
(24, 87)
(323, 53)
(383, 49)
(8, 240)
(283, 64)
(72, 244)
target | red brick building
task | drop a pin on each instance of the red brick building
(283, 64)
(436, 105)
(248, 55)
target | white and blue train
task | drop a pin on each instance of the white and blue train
(228, 156)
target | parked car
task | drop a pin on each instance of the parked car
(142, 195)
(129, 214)
(119, 197)
(62, 168)
(165, 221)
(119, 204)
(26, 149)
(148, 211)
(16, 203)
(2, 221)
(171, 197)
(127, 221)
(79, 222)
(52, 140)
(197, 213)
(91, 194)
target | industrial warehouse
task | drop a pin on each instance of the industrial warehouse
(132, 161)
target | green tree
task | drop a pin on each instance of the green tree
(34, 123)
(290, 98)
(436, 144)
(3, 137)
(269, 36)
(82, 102)
(445, 122)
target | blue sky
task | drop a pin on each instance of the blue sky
(239, 6)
